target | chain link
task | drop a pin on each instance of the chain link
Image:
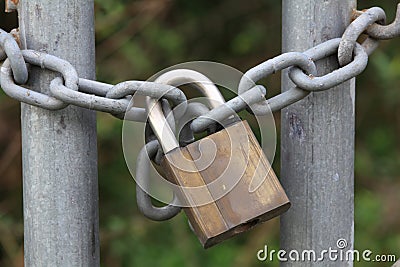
(336, 77)
(383, 32)
(305, 80)
(10, 49)
(142, 183)
(152, 151)
(33, 97)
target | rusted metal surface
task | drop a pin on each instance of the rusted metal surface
(11, 5)
(142, 183)
(383, 32)
(59, 148)
(355, 29)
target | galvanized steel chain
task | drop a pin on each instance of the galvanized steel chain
(72, 89)
(114, 99)
(69, 89)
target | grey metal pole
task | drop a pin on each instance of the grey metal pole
(317, 158)
(59, 156)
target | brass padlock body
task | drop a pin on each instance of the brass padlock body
(239, 209)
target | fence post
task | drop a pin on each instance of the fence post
(59, 151)
(317, 149)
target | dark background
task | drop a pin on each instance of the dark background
(136, 39)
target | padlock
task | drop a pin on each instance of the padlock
(217, 185)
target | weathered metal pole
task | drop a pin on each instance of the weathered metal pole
(317, 155)
(60, 187)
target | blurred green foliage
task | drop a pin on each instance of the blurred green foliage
(136, 39)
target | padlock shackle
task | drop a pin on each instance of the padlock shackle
(178, 77)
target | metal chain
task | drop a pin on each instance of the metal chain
(68, 89)
(151, 151)
(115, 99)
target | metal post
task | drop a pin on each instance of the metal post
(317, 155)
(60, 187)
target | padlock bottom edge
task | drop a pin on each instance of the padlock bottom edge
(212, 241)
